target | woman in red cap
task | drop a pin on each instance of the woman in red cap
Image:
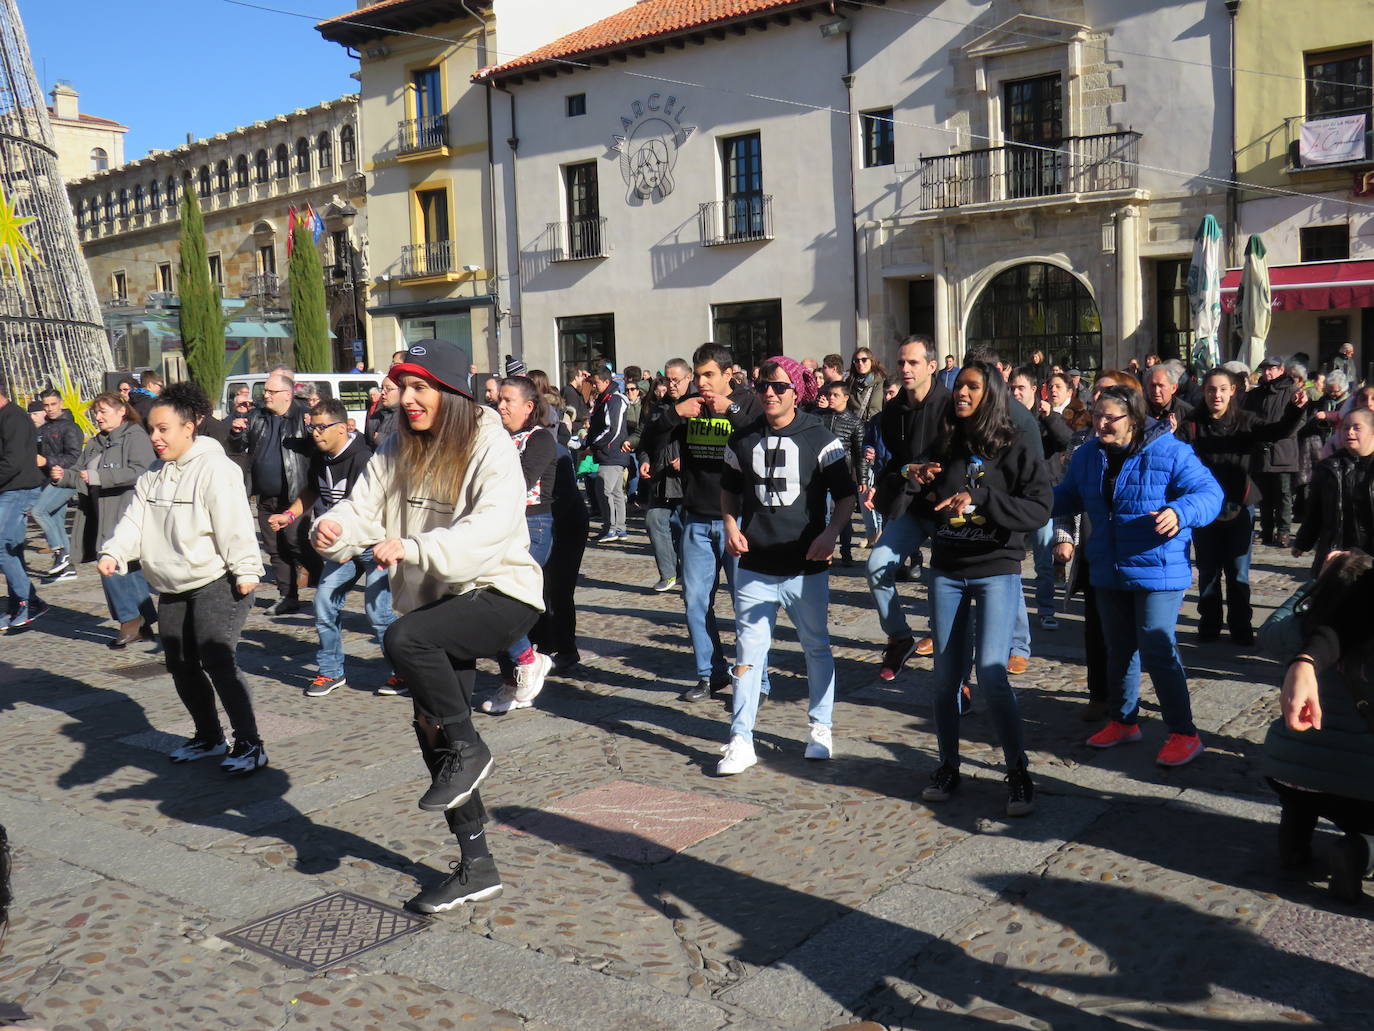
(438, 507)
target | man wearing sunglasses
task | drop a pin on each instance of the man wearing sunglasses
(335, 468)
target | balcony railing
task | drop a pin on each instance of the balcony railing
(1080, 164)
(417, 134)
(264, 286)
(742, 218)
(1332, 141)
(428, 259)
(578, 239)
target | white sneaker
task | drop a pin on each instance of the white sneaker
(739, 756)
(504, 700)
(818, 742)
(529, 678)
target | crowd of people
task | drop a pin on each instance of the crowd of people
(463, 508)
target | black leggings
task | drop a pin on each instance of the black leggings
(200, 630)
(435, 649)
(556, 629)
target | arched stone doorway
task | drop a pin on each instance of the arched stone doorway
(1036, 306)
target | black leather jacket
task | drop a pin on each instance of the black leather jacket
(296, 445)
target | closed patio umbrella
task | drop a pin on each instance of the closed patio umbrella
(1254, 301)
(1204, 293)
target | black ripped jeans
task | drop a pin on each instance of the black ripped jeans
(200, 632)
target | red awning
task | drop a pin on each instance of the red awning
(1314, 286)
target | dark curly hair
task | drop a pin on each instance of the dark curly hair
(186, 399)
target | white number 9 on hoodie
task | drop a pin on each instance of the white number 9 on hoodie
(777, 464)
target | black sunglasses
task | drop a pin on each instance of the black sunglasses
(763, 386)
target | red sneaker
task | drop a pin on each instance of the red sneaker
(1179, 750)
(1115, 733)
(895, 656)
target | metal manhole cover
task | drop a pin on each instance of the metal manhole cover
(143, 671)
(324, 933)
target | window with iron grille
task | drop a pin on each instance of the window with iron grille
(1036, 306)
(1324, 243)
(878, 137)
(1338, 82)
(1034, 118)
(742, 181)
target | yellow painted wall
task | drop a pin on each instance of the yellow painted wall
(1273, 36)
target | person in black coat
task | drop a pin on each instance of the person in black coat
(20, 482)
(848, 429)
(1274, 462)
(1340, 513)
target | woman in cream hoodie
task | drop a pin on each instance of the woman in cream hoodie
(190, 528)
(442, 506)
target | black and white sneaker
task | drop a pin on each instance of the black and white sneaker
(322, 685)
(461, 771)
(943, 783)
(61, 563)
(245, 758)
(198, 748)
(471, 881)
(1020, 792)
(394, 686)
(66, 573)
(28, 612)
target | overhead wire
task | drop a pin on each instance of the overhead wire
(1186, 176)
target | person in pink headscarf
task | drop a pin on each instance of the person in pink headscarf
(779, 472)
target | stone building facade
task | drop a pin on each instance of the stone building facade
(85, 143)
(248, 180)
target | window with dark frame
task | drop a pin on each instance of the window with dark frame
(577, 104)
(262, 167)
(878, 137)
(348, 146)
(302, 155)
(241, 171)
(203, 180)
(1324, 243)
(584, 210)
(742, 178)
(119, 284)
(1173, 310)
(324, 150)
(282, 161)
(123, 203)
(1034, 117)
(138, 199)
(752, 330)
(267, 259)
(1339, 83)
(164, 277)
(216, 269)
(433, 215)
(585, 341)
(155, 195)
(222, 177)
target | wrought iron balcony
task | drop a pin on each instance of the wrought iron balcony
(421, 134)
(264, 286)
(1333, 141)
(1079, 164)
(743, 218)
(578, 239)
(419, 260)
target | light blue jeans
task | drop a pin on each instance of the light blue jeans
(1138, 628)
(1042, 552)
(901, 537)
(127, 596)
(665, 537)
(540, 527)
(50, 513)
(13, 530)
(971, 622)
(806, 599)
(703, 559)
(335, 582)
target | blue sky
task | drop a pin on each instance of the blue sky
(168, 67)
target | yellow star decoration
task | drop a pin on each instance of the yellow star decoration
(14, 245)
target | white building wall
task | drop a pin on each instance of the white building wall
(526, 25)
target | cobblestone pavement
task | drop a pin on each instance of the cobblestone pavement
(642, 892)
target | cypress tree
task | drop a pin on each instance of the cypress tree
(309, 316)
(202, 315)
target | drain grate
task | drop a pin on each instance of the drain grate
(143, 671)
(326, 932)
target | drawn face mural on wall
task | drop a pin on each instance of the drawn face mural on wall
(648, 150)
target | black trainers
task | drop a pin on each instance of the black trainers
(198, 748)
(285, 607)
(705, 688)
(244, 758)
(460, 773)
(895, 656)
(943, 783)
(1349, 861)
(61, 562)
(471, 881)
(1020, 791)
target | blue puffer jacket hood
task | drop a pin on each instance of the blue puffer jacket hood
(1124, 552)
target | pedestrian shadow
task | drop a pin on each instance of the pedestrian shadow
(879, 969)
(101, 721)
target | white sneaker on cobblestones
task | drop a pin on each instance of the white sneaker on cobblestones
(739, 756)
(819, 744)
(504, 700)
(529, 677)
(198, 748)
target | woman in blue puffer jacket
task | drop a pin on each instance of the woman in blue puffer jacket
(1144, 491)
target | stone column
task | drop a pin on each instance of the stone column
(946, 339)
(1129, 281)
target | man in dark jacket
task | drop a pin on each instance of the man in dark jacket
(660, 466)
(700, 424)
(1274, 464)
(848, 429)
(59, 446)
(606, 439)
(910, 427)
(275, 439)
(20, 482)
(1161, 394)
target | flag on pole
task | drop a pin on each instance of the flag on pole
(316, 223)
(290, 231)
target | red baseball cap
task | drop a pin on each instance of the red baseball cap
(442, 363)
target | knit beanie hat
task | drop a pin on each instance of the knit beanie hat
(514, 366)
(803, 379)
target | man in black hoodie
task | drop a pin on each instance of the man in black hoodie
(1274, 462)
(59, 446)
(701, 423)
(20, 482)
(910, 425)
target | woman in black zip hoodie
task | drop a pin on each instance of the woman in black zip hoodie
(988, 490)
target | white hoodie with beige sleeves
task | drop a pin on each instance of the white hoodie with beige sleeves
(449, 549)
(189, 523)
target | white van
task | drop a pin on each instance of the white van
(352, 388)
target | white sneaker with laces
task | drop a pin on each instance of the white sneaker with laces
(739, 756)
(819, 744)
(504, 700)
(529, 677)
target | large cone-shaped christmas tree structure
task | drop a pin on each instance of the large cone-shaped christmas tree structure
(50, 326)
